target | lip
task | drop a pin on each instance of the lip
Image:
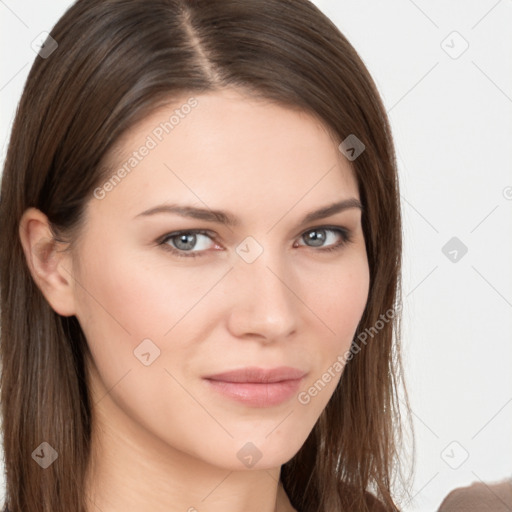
(258, 387)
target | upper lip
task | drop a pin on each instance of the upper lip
(259, 375)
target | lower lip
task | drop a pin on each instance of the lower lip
(257, 394)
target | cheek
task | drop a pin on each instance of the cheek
(126, 312)
(131, 297)
(338, 295)
(128, 301)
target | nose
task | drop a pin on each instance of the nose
(263, 302)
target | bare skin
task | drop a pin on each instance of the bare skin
(165, 440)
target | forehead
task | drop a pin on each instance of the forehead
(228, 149)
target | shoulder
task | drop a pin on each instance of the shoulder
(479, 496)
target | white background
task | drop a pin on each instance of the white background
(452, 122)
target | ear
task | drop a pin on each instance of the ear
(50, 266)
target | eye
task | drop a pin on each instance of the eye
(185, 241)
(195, 242)
(325, 237)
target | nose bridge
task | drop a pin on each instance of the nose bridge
(262, 302)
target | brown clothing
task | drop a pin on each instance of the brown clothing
(479, 497)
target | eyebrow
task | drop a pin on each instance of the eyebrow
(228, 219)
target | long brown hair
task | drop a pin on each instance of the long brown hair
(116, 61)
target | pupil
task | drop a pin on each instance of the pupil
(182, 239)
(318, 237)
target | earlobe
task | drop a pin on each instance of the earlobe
(49, 265)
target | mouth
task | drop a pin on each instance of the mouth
(258, 387)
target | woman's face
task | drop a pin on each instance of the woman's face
(161, 313)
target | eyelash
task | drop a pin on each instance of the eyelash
(346, 238)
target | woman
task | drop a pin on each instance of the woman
(200, 266)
